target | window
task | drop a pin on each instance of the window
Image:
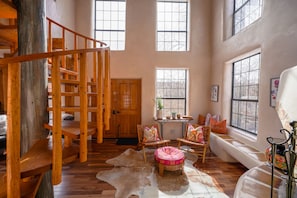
(245, 92)
(172, 25)
(171, 88)
(110, 22)
(245, 13)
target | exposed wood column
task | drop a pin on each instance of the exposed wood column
(83, 108)
(57, 132)
(99, 87)
(107, 90)
(13, 131)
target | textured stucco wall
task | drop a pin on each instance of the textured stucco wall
(275, 36)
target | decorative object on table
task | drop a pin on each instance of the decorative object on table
(290, 158)
(279, 157)
(159, 108)
(178, 116)
(214, 93)
(286, 108)
(173, 115)
(130, 176)
(274, 82)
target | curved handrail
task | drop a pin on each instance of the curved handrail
(31, 57)
(75, 33)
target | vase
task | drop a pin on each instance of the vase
(159, 114)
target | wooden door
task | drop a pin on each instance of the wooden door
(125, 108)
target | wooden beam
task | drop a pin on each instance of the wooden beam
(13, 130)
(83, 108)
(99, 86)
(107, 90)
(57, 131)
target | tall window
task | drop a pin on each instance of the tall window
(245, 92)
(245, 13)
(171, 88)
(110, 22)
(172, 25)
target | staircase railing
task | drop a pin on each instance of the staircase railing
(100, 62)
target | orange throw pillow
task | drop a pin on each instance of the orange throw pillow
(201, 119)
(218, 126)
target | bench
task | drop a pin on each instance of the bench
(229, 149)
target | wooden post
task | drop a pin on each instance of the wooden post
(13, 131)
(107, 90)
(83, 108)
(57, 132)
(99, 83)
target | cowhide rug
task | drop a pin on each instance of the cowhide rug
(131, 176)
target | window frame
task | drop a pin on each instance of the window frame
(163, 98)
(164, 31)
(247, 100)
(111, 30)
(240, 8)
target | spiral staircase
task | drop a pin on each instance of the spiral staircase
(73, 90)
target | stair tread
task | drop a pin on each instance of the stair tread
(72, 128)
(39, 158)
(74, 82)
(7, 10)
(74, 109)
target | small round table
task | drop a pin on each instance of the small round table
(169, 158)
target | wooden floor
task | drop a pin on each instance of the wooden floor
(79, 179)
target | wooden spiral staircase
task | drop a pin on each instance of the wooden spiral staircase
(71, 90)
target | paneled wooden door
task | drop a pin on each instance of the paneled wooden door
(125, 108)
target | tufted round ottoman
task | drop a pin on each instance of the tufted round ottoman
(169, 158)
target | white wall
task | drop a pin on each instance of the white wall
(140, 59)
(275, 35)
(62, 11)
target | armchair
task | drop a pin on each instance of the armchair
(197, 137)
(149, 136)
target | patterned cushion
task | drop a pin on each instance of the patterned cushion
(169, 155)
(150, 134)
(218, 126)
(208, 116)
(195, 134)
(280, 160)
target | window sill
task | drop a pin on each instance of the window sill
(243, 136)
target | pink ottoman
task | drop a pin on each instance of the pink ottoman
(169, 158)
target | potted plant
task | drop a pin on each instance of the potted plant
(159, 109)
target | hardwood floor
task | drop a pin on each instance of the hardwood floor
(79, 178)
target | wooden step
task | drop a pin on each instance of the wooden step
(39, 158)
(9, 33)
(72, 128)
(7, 10)
(74, 109)
(34, 164)
(72, 94)
(73, 82)
(65, 71)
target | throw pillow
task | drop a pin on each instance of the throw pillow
(150, 134)
(201, 119)
(208, 116)
(195, 134)
(218, 126)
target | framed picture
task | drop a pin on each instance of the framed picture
(214, 93)
(273, 90)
